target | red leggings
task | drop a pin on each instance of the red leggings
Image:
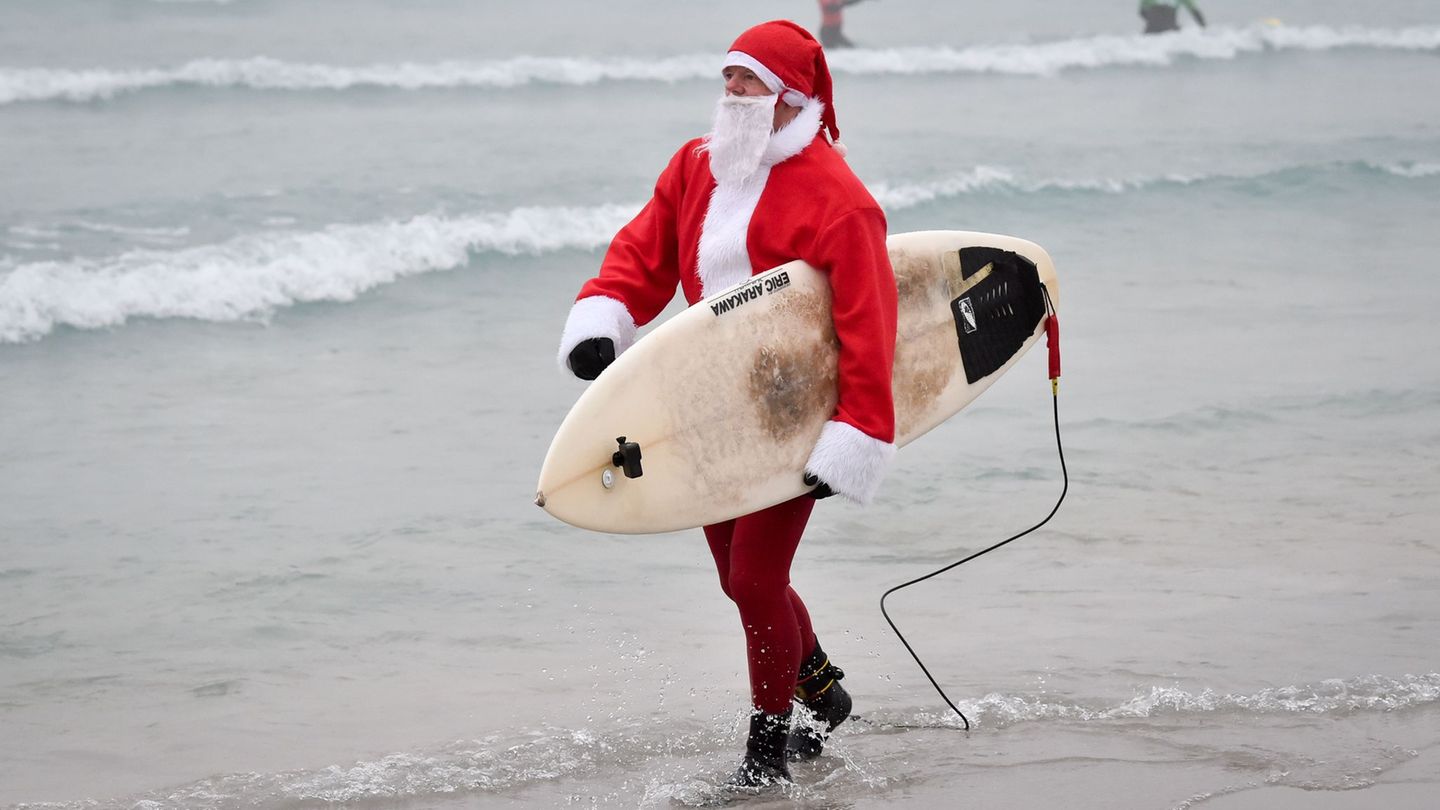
(753, 554)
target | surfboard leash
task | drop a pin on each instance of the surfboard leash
(1052, 341)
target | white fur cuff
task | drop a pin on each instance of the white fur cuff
(596, 316)
(852, 463)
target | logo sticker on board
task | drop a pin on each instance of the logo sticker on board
(967, 314)
(759, 286)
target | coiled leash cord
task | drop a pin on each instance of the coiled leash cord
(1052, 339)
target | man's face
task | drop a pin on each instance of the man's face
(741, 81)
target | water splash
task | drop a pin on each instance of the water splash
(672, 753)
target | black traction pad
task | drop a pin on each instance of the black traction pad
(995, 317)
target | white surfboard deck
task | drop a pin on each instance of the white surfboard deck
(727, 398)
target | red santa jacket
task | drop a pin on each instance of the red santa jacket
(804, 203)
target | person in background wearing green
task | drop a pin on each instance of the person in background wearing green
(1163, 15)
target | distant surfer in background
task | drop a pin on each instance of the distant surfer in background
(1164, 15)
(768, 185)
(832, 20)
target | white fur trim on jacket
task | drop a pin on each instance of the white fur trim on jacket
(723, 258)
(792, 138)
(596, 316)
(852, 463)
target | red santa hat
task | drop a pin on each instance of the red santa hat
(791, 64)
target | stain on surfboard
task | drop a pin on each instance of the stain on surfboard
(924, 356)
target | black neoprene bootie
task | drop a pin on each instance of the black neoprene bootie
(818, 689)
(764, 763)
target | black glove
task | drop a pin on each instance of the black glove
(590, 357)
(821, 490)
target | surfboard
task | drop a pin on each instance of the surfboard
(713, 414)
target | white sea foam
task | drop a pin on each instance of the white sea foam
(1369, 693)
(1046, 59)
(264, 73)
(496, 765)
(134, 231)
(981, 179)
(998, 179)
(1028, 59)
(34, 231)
(1411, 169)
(251, 276)
(908, 195)
(1332, 696)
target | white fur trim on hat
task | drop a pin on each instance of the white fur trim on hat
(596, 316)
(852, 463)
(772, 82)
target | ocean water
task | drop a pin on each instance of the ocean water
(281, 283)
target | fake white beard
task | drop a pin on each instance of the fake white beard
(742, 131)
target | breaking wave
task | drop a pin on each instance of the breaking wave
(251, 276)
(1026, 59)
(898, 196)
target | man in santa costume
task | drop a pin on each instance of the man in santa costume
(768, 185)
